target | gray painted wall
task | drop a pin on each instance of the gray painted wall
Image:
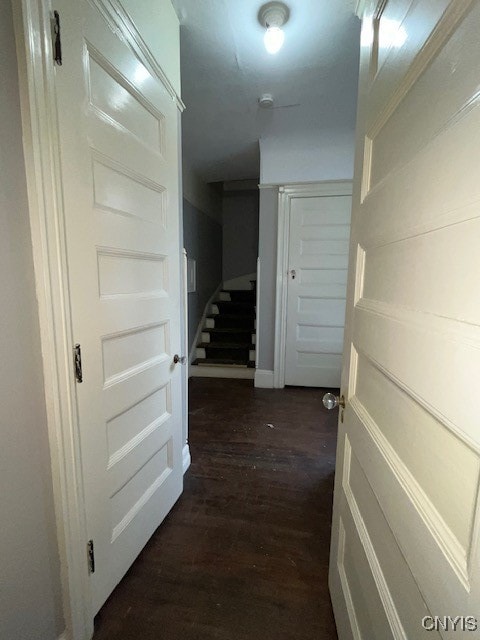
(267, 250)
(30, 600)
(311, 157)
(202, 238)
(240, 233)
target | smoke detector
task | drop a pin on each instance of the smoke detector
(266, 101)
(272, 16)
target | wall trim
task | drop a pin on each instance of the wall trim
(184, 259)
(300, 187)
(267, 185)
(192, 355)
(42, 163)
(285, 195)
(361, 8)
(264, 379)
(257, 315)
(186, 458)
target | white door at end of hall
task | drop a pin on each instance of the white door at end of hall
(319, 230)
(118, 132)
(405, 553)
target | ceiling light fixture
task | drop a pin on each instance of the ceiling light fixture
(273, 16)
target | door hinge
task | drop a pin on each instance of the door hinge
(91, 556)
(57, 41)
(77, 363)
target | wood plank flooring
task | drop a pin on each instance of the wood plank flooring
(244, 553)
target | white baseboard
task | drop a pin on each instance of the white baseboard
(186, 458)
(264, 379)
(206, 371)
(242, 282)
(206, 312)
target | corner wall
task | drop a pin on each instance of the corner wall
(267, 251)
(30, 591)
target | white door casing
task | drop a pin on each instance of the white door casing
(312, 261)
(118, 291)
(405, 537)
(319, 232)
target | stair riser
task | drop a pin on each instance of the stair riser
(232, 308)
(240, 355)
(232, 323)
(239, 296)
(239, 336)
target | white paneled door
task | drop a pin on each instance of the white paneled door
(118, 133)
(319, 229)
(405, 544)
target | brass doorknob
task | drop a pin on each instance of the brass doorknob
(179, 359)
(330, 401)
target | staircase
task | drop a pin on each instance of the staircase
(227, 346)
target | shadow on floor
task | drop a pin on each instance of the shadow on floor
(244, 553)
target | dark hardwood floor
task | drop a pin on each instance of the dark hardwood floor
(244, 553)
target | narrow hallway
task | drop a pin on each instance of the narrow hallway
(244, 553)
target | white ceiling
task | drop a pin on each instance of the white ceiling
(225, 68)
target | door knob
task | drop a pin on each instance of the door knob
(330, 401)
(293, 273)
(179, 359)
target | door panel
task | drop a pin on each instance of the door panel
(119, 147)
(408, 457)
(318, 253)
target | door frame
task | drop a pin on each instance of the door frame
(36, 70)
(285, 195)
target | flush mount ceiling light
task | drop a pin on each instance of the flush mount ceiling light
(273, 16)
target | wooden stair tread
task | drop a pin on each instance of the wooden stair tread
(221, 362)
(228, 330)
(231, 316)
(228, 362)
(226, 345)
(240, 291)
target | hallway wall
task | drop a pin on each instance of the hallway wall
(202, 238)
(309, 157)
(267, 251)
(320, 157)
(240, 233)
(30, 596)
